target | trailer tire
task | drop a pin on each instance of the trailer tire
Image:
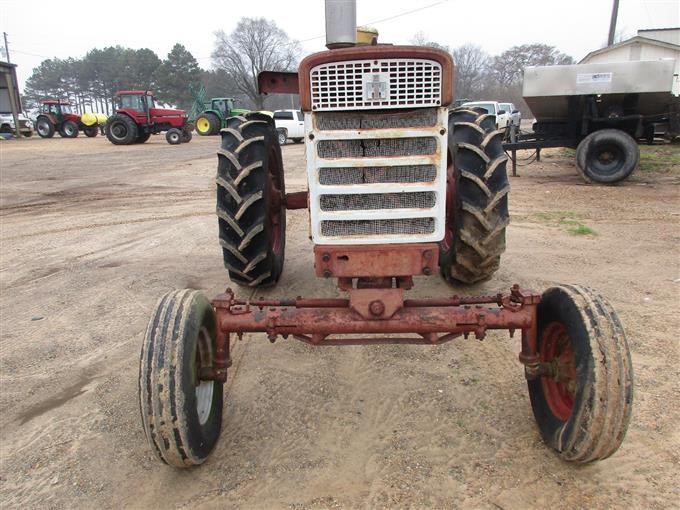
(207, 124)
(584, 409)
(477, 198)
(250, 201)
(91, 131)
(607, 156)
(68, 129)
(121, 130)
(181, 415)
(44, 127)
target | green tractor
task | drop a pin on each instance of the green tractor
(210, 121)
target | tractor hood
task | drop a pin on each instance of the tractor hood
(168, 112)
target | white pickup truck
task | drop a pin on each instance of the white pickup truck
(503, 118)
(289, 124)
(7, 124)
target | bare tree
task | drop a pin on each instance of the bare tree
(508, 67)
(256, 45)
(471, 64)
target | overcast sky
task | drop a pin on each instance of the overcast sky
(40, 30)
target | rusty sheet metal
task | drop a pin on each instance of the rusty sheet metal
(297, 200)
(271, 82)
(376, 260)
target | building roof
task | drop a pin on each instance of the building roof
(632, 40)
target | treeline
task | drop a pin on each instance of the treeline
(257, 44)
(90, 82)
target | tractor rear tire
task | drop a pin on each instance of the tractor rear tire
(173, 136)
(45, 128)
(607, 156)
(68, 129)
(121, 130)
(584, 408)
(477, 198)
(91, 131)
(207, 124)
(250, 201)
(181, 414)
(142, 137)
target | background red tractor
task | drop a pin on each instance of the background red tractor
(137, 118)
(60, 116)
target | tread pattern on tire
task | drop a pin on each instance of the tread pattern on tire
(481, 196)
(161, 399)
(131, 127)
(242, 204)
(598, 424)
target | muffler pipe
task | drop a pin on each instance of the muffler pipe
(341, 23)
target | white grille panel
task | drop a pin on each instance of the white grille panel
(388, 83)
(377, 185)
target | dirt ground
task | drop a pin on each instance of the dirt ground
(91, 235)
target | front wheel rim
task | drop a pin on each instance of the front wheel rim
(559, 388)
(203, 389)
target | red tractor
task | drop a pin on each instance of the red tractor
(59, 115)
(137, 118)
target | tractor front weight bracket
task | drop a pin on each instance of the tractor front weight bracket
(377, 311)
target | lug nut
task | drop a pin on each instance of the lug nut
(327, 274)
(326, 257)
(427, 271)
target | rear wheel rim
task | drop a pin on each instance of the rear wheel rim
(607, 159)
(202, 125)
(43, 128)
(275, 204)
(118, 130)
(559, 388)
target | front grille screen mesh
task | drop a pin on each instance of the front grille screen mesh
(398, 83)
(376, 148)
(401, 226)
(377, 174)
(424, 117)
(377, 201)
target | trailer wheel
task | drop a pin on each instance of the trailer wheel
(476, 198)
(250, 206)
(121, 130)
(44, 128)
(181, 414)
(174, 136)
(68, 129)
(91, 131)
(207, 124)
(584, 406)
(607, 156)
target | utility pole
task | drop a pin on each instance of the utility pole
(612, 23)
(6, 47)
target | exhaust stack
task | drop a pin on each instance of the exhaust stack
(341, 23)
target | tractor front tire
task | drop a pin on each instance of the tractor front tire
(186, 135)
(583, 407)
(91, 131)
(477, 198)
(68, 129)
(607, 156)
(207, 124)
(173, 136)
(45, 128)
(250, 201)
(121, 130)
(181, 414)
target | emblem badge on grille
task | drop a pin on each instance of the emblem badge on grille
(376, 86)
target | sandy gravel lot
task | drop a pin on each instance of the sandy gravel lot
(92, 234)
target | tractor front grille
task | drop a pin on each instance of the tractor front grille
(382, 83)
(377, 177)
